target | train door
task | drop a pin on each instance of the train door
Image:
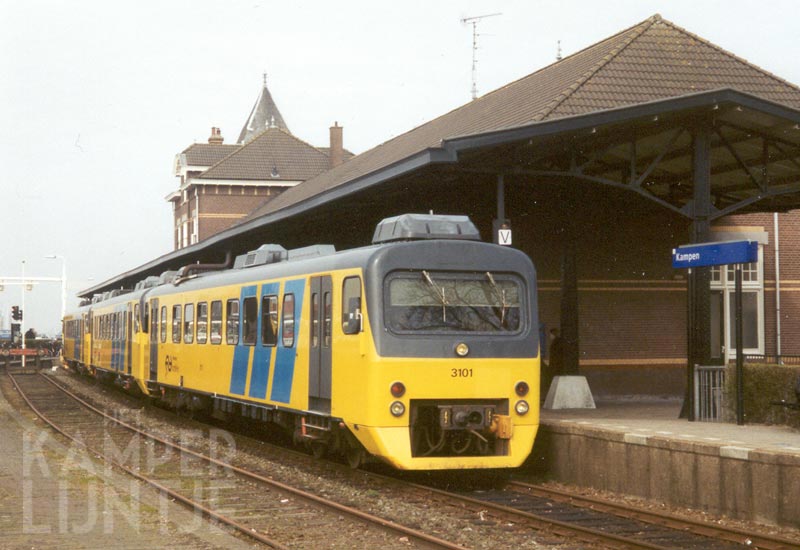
(320, 339)
(154, 339)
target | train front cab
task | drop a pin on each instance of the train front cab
(444, 374)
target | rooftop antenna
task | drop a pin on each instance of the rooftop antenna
(558, 52)
(474, 22)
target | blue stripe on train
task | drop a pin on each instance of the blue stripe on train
(262, 355)
(241, 353)
(285, 357)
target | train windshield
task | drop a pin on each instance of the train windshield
(428, 301)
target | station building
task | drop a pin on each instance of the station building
(601, 164)
(220, 184)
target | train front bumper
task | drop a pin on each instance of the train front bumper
(393, 446)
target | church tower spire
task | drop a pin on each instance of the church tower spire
(265, 114)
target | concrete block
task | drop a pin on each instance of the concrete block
(737, 487)
(660, 474)
(683, 482)
(789, 489)
(709, 486)
(616, 467)
(569, 392)
(637, 469)
(766, 491)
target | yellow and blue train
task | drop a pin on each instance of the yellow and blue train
(420, 350)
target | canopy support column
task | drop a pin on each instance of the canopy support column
(699, 284)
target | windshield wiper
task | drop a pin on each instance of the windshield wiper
(439, 294)
(501, 293)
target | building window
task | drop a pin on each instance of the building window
(185, 230)
(723, 308)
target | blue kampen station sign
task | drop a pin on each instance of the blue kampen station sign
(718, 253)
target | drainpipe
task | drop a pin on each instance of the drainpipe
(777, 287)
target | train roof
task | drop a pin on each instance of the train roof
(272, 261)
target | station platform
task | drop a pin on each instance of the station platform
(642, 448)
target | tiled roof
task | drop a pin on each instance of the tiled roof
(652, 60)
(272, 150)
(265, 114)
(207, 154)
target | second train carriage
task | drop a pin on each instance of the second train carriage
(420, 350)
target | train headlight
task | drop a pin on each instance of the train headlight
(397, 408)
(522, 388)
(522, 407)
(462, 349)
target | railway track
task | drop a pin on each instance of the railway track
(244, 500)
(517, 512)
(716, 532)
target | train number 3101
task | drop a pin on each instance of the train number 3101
(461, 373)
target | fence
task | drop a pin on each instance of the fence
(709, 392)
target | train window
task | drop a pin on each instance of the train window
(202, 322)
(232, 326)
(188, 323)
(287, 331)
(326, 323)
(351, 305)
(136, 320)
(269, 320)
(314, 320)
(429, 302)
(176, 324)
(163, 324)
(216, 322)
(146, 319)
(250, 321)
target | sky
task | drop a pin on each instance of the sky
(97, 98)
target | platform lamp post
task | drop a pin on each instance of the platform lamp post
(63, 286)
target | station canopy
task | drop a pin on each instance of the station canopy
(624, 113)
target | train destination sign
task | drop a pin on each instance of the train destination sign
(717, 253)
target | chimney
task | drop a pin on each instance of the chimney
(337, 147)
(216, 137)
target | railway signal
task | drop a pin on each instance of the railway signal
(16, 313)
